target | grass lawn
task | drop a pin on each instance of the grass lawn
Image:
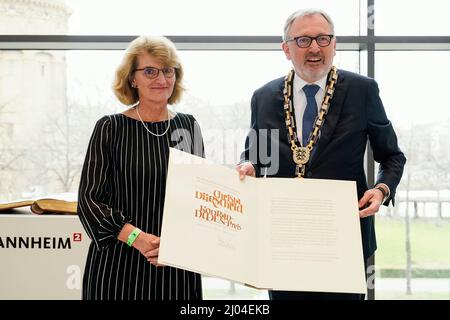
(430, 244)
(398, 295)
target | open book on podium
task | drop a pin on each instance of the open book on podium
(268, 233)
(42, 206)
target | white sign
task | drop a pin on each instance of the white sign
(41, 257)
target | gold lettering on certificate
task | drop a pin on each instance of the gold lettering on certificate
(219, 208)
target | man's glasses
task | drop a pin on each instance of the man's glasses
(305, 41)
(152, 73)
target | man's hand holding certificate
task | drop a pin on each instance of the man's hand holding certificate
(277, 233)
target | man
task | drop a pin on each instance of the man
(323, 118)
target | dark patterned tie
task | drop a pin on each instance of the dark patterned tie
(310, 111)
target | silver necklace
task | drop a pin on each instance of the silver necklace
(146, 128)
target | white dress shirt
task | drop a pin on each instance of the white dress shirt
(300, 99)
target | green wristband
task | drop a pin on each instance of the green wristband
(133, 235)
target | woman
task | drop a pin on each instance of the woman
(122, 187)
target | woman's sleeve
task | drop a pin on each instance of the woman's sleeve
(101, 222)
(198, 146)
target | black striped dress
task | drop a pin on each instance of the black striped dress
(123, 180)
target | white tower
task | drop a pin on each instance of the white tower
(32, 98)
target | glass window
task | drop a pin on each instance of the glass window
(412, 18)
(413, 256)
(52, 100)
(176, 17)
(67, 91)
(220, 85)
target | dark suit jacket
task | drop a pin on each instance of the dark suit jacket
(356, 114)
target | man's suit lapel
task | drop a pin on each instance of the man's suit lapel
(331, 119)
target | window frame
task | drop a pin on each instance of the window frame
(367, 45)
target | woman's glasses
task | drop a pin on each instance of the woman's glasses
(152, 73)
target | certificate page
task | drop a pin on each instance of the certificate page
(313, 235)
(209, 222)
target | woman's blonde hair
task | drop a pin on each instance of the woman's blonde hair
(160, 48)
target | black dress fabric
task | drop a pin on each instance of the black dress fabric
(123, 180)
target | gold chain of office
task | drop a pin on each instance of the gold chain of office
(301, 154)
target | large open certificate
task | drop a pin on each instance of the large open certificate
(277, 233)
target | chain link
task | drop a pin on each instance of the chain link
(301, 154)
